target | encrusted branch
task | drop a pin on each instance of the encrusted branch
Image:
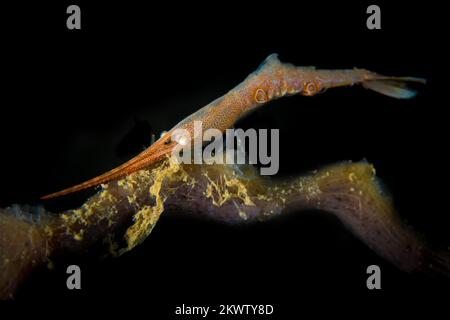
(124, 212)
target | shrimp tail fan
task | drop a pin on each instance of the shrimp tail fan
(396, 87)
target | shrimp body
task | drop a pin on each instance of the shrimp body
(272, 80)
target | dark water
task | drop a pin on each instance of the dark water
(77, 103)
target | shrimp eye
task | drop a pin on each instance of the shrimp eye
(168, 141)
(309, 89)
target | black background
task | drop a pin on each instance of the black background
(76, 103)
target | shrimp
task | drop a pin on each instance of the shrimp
(272, 80)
